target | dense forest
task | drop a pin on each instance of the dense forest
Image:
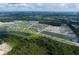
(35, 44)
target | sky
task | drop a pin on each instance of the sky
(57, 7)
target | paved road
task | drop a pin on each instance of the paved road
(74, 39)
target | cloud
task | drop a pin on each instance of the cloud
(39, 7)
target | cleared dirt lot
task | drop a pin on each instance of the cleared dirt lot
(4, 48)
